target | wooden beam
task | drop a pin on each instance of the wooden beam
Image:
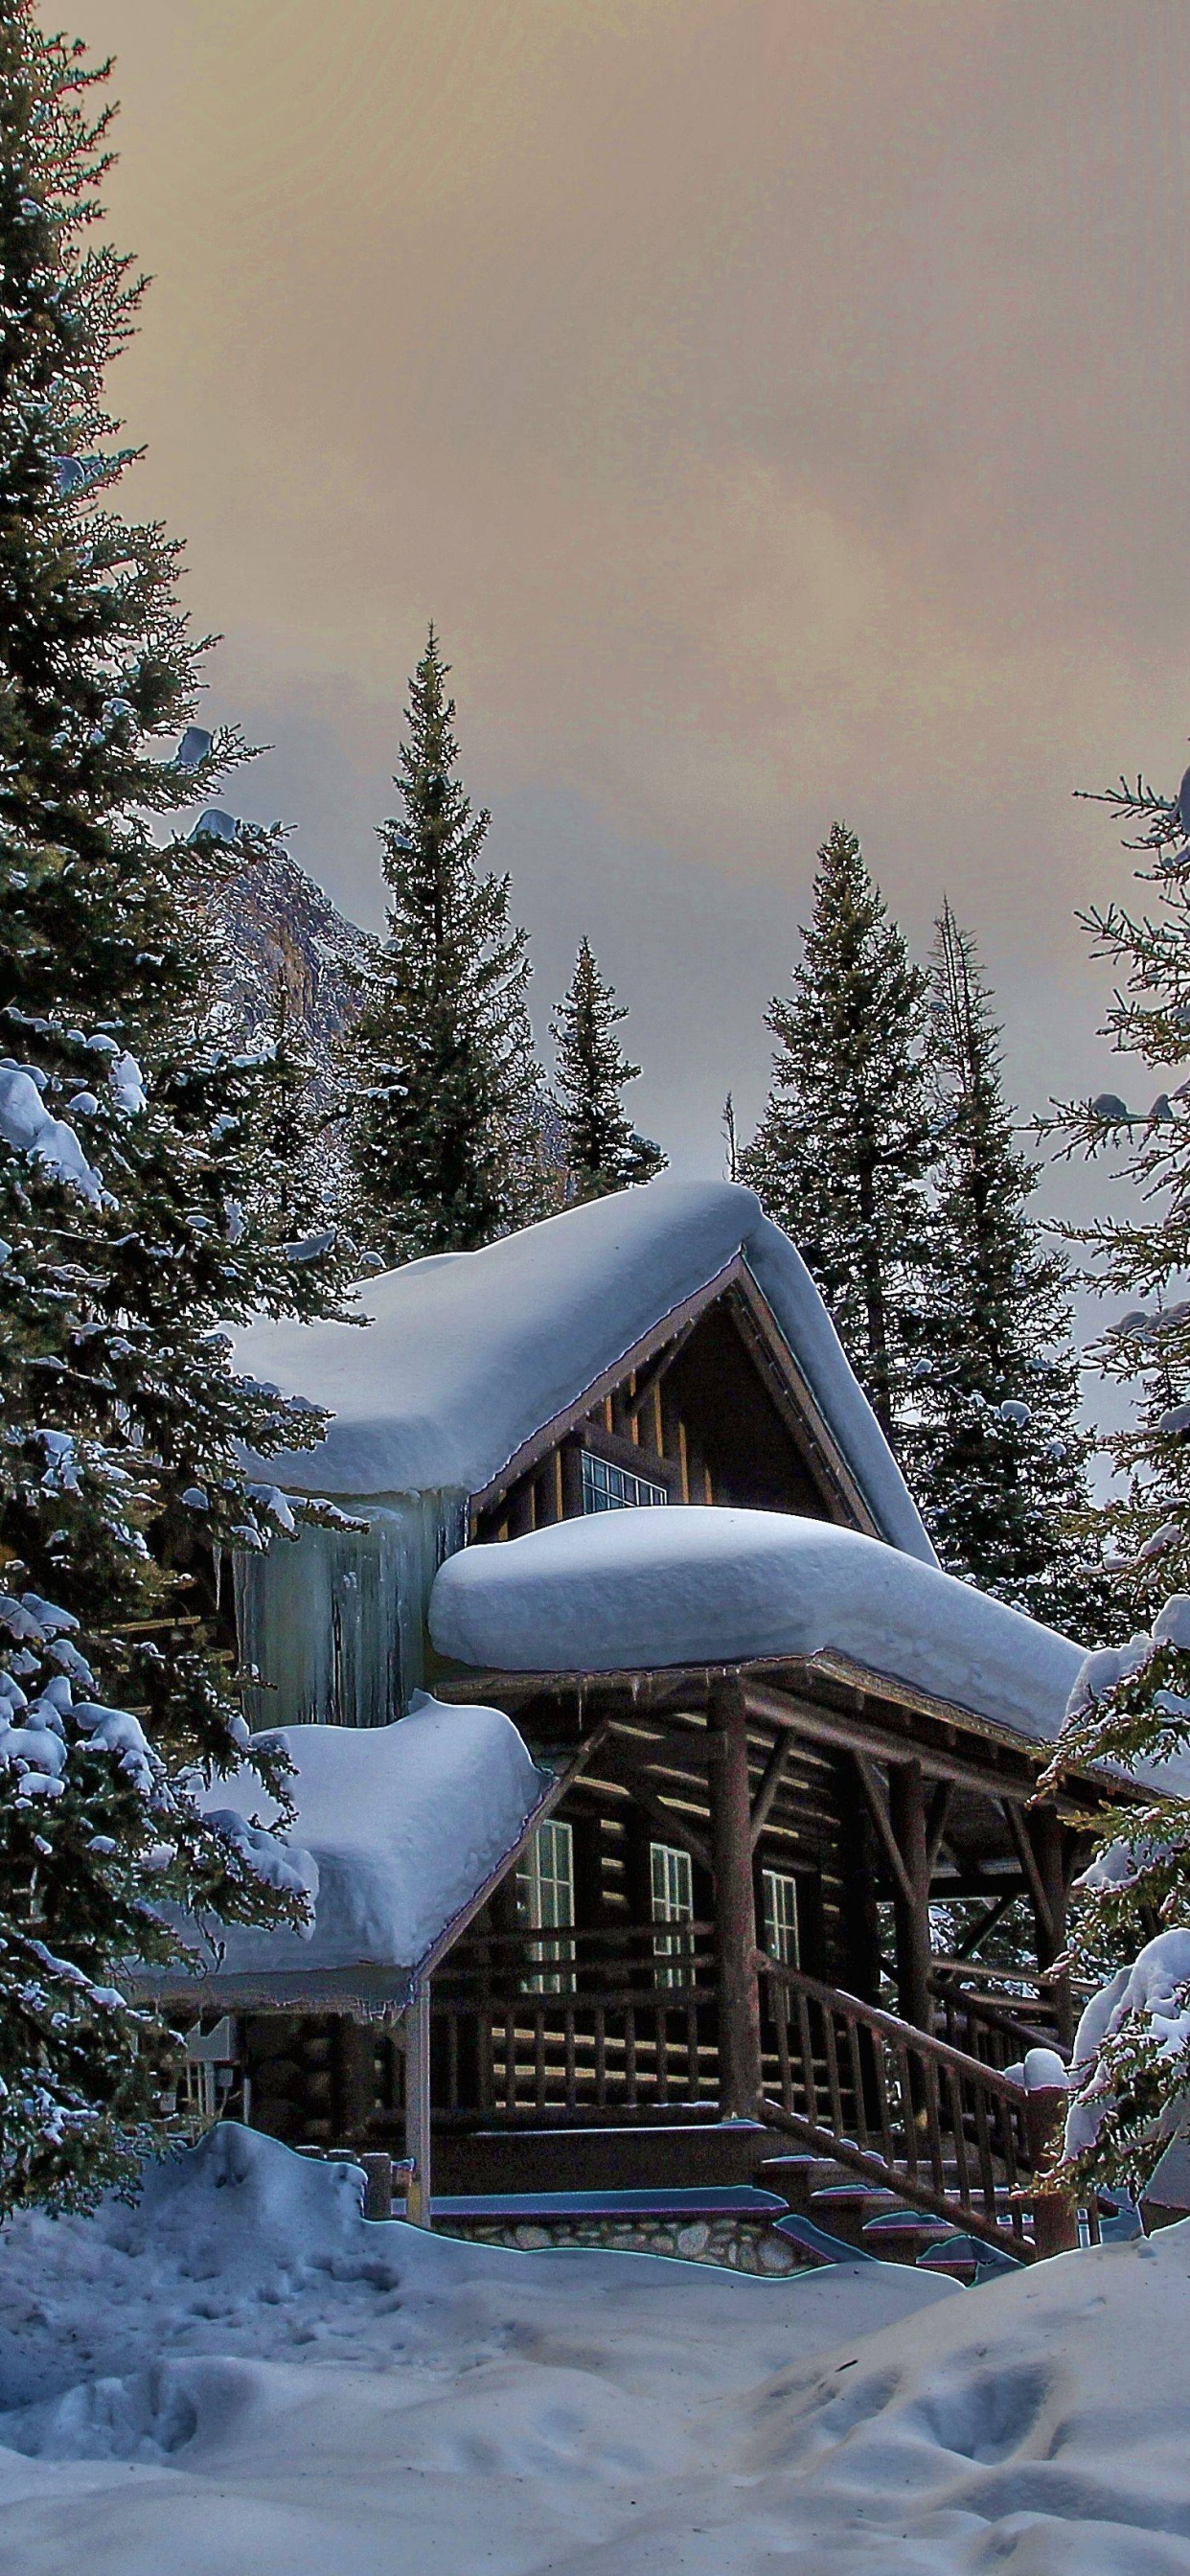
(907, 1811)
(1046, 1843)
(863, 1735)
(774, 1773)
(1037, 1887)
(936, 1822)
(740, 2067)
(671, 1824)
(976, 1932)
(870, 1783)
(651, 1377)
(418, 2204)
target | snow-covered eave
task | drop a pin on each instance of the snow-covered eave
(671, 1327)
(652, 1688)
(368, 1990)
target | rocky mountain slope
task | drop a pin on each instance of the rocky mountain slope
(277, 934)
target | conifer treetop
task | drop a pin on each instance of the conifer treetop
(446, 1137)
(846, 1140)
(604, 1151)
(998, 1455)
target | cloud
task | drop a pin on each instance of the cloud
(780, 404)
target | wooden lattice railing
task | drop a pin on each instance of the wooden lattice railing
(943, 2129)
(988, 2020)
(577, 2024)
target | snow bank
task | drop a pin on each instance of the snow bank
(469, 1354)
(625, 1590)
(397, 1829)
(241, 2373)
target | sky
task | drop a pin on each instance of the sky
(780, 406)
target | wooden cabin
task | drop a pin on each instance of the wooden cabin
(740, 1884)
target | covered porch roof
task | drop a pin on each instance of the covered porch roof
(634, 1592)
(400, 1834)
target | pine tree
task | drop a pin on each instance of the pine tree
(841, 1155)
(603, 1149)
(125, 1249)
(443, 1140)
(292, 1188)
(1133, 1704)
(998, 1459)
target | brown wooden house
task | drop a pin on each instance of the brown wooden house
(730, 1925)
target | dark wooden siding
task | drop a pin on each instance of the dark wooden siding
(714, 1428)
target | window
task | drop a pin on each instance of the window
(779, 1900)
(615, 1489)
(673, 1902)
(545, 1903)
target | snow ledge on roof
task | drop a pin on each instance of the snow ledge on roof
(404, 1825)
(633, 1590)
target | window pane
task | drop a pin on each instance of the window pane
(779, 1892)
(673, 1902)
(545, 1903)
(607, 1488)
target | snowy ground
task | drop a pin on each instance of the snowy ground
(240, 2375)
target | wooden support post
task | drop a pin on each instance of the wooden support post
(418, 2208)
(1044, 1829)
(378, 2185)
(859, 1964)
(1055, 2218)
(355, 2071)
(735, 1904)
(911, 1893)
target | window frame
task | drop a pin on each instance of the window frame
(673, 1928)
(554, 1973)
(772, 1879)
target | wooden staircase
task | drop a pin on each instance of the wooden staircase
(917, 2123)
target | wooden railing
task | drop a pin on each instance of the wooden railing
(576, 2024)
(990, 2021)
(943, 2129)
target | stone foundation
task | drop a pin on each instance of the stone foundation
(735, 2244)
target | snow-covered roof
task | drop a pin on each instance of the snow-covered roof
(632, 1590)
(398, 1829)
(465, 1357)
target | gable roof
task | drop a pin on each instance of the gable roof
(464, 1358)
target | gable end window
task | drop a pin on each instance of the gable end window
(608, 1488)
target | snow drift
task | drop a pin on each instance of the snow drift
(242, 2373)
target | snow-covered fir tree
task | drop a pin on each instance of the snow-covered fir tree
(449, 1090)
(604, 1151)
(842, 1152)
(1133, 1704)
(997, 1457)
(124, 1248)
